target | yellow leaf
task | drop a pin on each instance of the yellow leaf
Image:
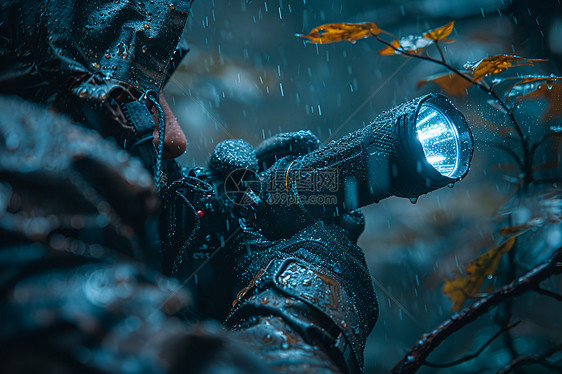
(337, 32)
(451, 83)
(496, 64)
(534, 78)
(440, 32)
(388, 50)
(535, 222)
(467, 285)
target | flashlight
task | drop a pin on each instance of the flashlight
(410, 150)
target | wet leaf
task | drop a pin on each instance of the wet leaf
(534, 78)
(496, 64)
(451, 83)
(388, 50)
(467, 285)
(510, 230)
(337, 32)
(529, 83)
(414, 44)
(552, 93)
(439, 33)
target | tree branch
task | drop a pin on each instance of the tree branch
(545, 292)
(527, 156)
(543, 139)
(440, 51)
(528, 360)
(417, 354)
(475, 354)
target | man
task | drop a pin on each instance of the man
(78, 216)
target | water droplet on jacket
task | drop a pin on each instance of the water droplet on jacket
(413, 200)
(285, 345)
(267, 338)
(451, 185)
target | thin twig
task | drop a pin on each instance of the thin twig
(418, 353)
(475, 354)
(527, 164)
(528, 360)
(543, 139)
(440, 51)
(549, 293)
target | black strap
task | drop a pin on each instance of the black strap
(139, 116)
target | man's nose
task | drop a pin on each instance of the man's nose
(175, 142)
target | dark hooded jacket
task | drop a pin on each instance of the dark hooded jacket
(83, 57)
(77, 289)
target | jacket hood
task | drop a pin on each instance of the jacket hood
(129, 41)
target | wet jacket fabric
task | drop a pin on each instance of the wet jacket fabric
(85, 56)
(129, 41)
(78, 247)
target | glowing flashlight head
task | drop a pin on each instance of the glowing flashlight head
(440, 140)
(433, 146)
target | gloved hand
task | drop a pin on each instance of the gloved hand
(315, 280)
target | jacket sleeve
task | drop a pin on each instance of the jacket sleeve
(309, 298)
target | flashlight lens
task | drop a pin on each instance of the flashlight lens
(439, 139)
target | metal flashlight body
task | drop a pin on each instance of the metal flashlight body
(410, 150)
